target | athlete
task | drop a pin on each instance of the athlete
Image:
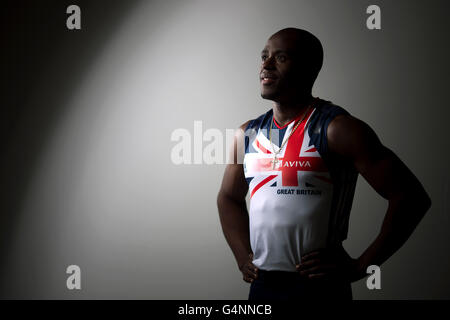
(299, 162)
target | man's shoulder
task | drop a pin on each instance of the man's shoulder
(348, 135)
(324, 112)
(328, 109)
(256, 122)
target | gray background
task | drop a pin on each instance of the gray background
(87, 118)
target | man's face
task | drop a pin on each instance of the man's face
(280, 74)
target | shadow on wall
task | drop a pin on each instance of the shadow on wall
(37, 45)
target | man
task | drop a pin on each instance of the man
(301, 163)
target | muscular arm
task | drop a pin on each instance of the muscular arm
(233, 208)
(354, 140)
(390, 177)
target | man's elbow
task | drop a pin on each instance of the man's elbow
(427, 203)
(413, 199)
(219, 199)
(422, 199)
(222, 199)
(421, 202)
(422, 205)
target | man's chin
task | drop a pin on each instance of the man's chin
(268, 95)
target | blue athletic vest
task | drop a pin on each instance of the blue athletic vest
(301, 201)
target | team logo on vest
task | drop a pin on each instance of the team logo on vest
(293, 164)
(300, 191)
(284, 167)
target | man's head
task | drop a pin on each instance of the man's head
(290, 63)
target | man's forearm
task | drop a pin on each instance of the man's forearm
(235, 226)
(402, 217)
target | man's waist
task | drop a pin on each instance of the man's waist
(278, 274)
(277, 277)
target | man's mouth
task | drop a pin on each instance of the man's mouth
(267, 80)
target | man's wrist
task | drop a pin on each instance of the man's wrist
(243, 260)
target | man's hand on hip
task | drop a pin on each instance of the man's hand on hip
(331, 265)
(249, 270)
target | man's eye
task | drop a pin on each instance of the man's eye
(263, 58)
(281, 58)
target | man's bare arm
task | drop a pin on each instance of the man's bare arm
(390, 177)
(233, 209)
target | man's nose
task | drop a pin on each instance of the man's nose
(268, 63)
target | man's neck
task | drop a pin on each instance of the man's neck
(286, 111)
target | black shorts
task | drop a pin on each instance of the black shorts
(283, 285)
